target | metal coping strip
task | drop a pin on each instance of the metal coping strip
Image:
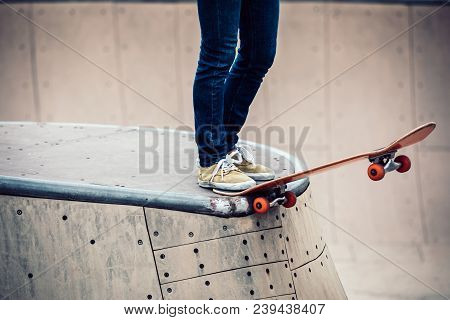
(224, 207)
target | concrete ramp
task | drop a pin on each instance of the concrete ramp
(103, 212)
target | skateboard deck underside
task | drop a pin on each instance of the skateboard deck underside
(414, 136)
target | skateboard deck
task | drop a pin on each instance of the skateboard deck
(382, 161)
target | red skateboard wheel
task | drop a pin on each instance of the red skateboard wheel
(375, 172)
(291, 199)
(405, 163)
(261, 205)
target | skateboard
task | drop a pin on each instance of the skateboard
(270, 193)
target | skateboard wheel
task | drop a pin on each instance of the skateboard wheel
(261, 205)
(376, 172)
(405, 163)
(291, 199)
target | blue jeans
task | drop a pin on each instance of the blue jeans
(225, 83)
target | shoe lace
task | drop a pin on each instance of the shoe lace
(225, 166)
(241, 153)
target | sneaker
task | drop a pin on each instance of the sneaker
(225, 176)
(244, 160)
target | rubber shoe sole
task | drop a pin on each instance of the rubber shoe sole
(227, 186)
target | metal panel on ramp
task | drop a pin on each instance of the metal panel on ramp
(54, 249)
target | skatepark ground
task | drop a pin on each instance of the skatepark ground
(348, 77)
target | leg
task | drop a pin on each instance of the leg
(219, 23)
(258, 35)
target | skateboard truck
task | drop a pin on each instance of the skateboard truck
(387, 163)
(278, 195)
